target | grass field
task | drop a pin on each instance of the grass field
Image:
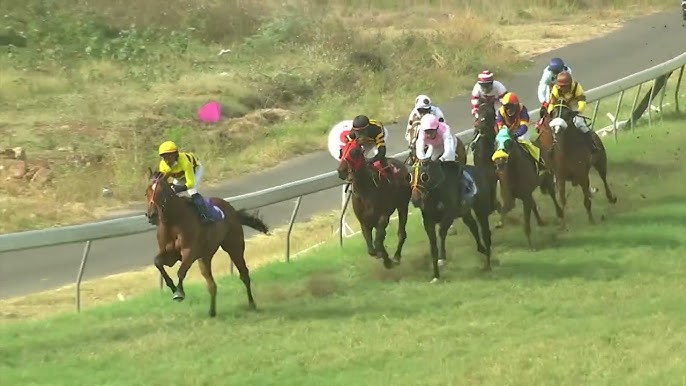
(90, 88)
(596, 305)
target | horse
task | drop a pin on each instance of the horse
(483, 149)
(570, 157)
(517, 172)
(376, 194)
(182, 237)
(436, 190)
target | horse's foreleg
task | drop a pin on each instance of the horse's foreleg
(430, 229)
(528, 204)
(539, 220)
(205, 265)
(402, 233)
(159, 263)
(443, 228)
(484, 225)
(186, 262)
(367, 234)
(469, 221)
(585, 187)
(379, 241)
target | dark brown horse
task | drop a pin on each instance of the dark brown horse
(483, 149)
(376, 194)
(571, 158)
(438, 190)
(518, 175)
(181, 237)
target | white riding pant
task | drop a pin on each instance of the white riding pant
(580, 123)
(198, 181)
(526, 136)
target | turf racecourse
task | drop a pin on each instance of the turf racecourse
(598, 305)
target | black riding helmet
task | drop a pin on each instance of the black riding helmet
(360, 122)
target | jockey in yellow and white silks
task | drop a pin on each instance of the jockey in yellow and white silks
(486, 89)
(185, 171)
(422, 106)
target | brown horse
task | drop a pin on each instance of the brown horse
(181, 237)
(376, 194)
(518, 176)
(571, 158)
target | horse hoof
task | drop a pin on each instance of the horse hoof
(388, 263)
(486, 268)
(252, 306)
(434, 281)
(542, 223)
(441, 262)
(372, 254)
(396, 260)
(212, 313)
(498, 225)
(178, 296)
(495, 262)
(612, 200)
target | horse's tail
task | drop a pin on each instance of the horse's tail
(252, 221)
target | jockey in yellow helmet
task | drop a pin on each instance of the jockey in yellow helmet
(186, 173)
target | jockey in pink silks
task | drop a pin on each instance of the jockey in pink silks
(436, 135)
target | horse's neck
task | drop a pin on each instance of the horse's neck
(175, 211)
(363, 181)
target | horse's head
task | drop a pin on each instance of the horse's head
(157, 194)
(352, 160)
(484, 125)
(502, 156)
(560, 118)
(426, 176)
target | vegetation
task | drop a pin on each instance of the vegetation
(596, 305)
(88, 88)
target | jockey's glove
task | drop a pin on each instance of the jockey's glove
(179, 188)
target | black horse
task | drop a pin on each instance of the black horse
(483, 148)
(438, 190)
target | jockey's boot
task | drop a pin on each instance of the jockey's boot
(203, 210)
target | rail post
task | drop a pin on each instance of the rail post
(663, 92)
(79, 276)
(633, 106)
(595, 112)
(615, 124)
(678, 86)
(342, 224)
(290, 228)
(650, 103)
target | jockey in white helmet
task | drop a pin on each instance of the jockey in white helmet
(422, 106)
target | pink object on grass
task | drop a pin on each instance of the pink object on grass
(210, 112)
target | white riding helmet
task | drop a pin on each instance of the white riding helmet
(422, 102)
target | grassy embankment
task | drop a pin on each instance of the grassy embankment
(596, 305)
(266, 249)
(99, 84)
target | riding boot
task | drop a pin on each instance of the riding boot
(203, 210)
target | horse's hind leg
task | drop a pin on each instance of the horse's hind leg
(601, 167)
(205, 265)
(529, 205)
(469, 221)
(402, 232)
(236, 251)
(379, 241)
(443, 229)
(430, 229)
(537, 215)
(367, 234)
(482, 218)
(585, 187)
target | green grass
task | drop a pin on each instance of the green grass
(99, 83)
(598, 305)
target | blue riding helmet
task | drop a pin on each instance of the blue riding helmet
(556, 65)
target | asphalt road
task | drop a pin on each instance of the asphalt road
(640, 44)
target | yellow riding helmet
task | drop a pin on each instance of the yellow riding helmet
(168, 147)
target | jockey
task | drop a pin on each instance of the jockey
(438, 135)
(513, 119)
(365, 128)
(422, 106)
(186, 171)
(570, 92)
(486, 89)
(547, 81)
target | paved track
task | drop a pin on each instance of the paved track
(639, 44)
